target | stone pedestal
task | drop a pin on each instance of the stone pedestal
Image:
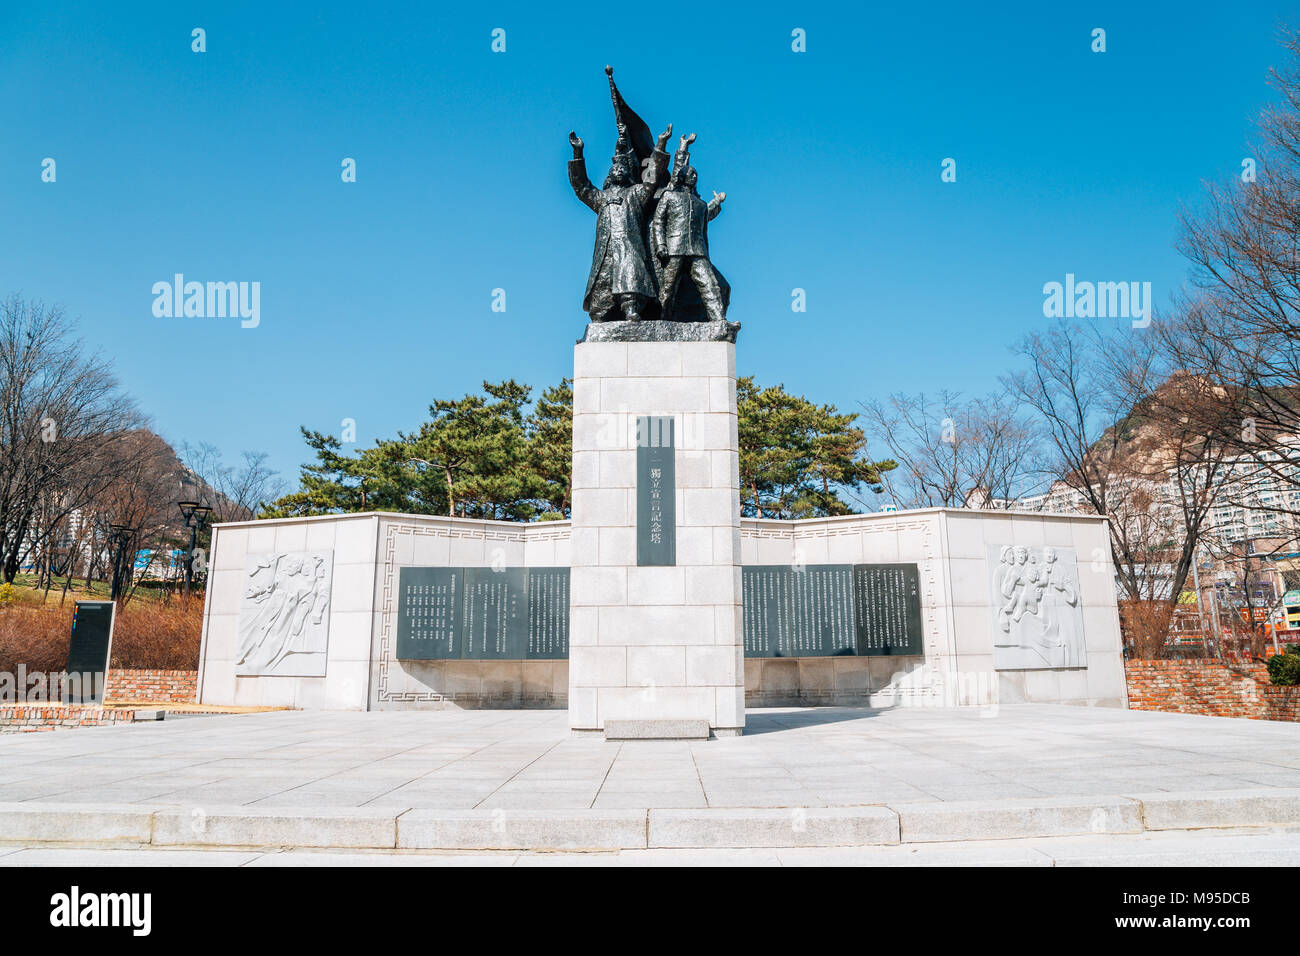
(655, 643)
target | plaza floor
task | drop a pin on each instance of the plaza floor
(807, 778)
(528, 760)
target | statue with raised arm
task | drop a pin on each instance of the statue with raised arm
(621, 284)
(680, 238)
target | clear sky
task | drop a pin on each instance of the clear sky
(376, 295)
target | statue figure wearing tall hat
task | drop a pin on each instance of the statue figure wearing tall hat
(680, 237)
(621, 283)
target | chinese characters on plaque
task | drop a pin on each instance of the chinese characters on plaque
(483, 614)
(656, 491)
(523, 613)
(831, 609)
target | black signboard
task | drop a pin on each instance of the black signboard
(829, 610)
(88, 652)
(507, 614)
(888, 602)
(656, 491)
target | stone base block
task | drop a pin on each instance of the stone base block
(656, 730)
(657, 330)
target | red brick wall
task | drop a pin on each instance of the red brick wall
(30, 718)
(154, 686)
(1214, 688)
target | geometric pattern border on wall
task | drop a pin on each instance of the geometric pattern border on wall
(936, 654)
(388, 606)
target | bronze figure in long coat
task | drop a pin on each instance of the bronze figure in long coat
(679, 236)
(621, 283)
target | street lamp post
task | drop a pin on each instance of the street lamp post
(195, 515)
(121, 537)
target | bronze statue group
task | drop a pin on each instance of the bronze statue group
(651, 230)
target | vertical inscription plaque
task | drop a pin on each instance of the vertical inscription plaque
(548, 614)
(656, 491)
(496, 614)
(428, 613)
(888, 599)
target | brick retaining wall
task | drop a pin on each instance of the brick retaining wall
(31, 718)
(1210, 687)
(177, 687)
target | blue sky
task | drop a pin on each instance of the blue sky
(376, 295)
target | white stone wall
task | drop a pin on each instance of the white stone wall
(351, 539)
(655, 642)
(437, 542)
(912, 537)
(631, 652)
(969, 535)
(950, 548)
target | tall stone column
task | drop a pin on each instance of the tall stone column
(656, 640)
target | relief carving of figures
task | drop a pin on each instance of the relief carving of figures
(284, 614)
(1038, 618)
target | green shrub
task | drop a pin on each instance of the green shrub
(1284, 668)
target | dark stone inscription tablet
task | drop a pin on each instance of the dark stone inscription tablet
(496, 614)
(656, 491)
(512, 614)
(825, 610)
(428, 613)
(804, 611)
(88, 650)
(758, 589)
(548, 614)
(888, 599)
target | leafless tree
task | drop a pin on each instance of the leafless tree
(1130, 442)
(1241, 328)
(235, 493)
(63, 422)
(954, 452)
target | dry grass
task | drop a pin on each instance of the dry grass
(144, 636)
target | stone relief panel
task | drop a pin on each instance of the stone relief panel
(284, 614)
(1037, 614)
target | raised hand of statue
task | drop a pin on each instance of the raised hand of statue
(622, 138)
(719, 197)
(663, 137)
(686, 141)
(576, 142)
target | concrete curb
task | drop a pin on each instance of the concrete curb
(771, 827)
(1017, 819)
(521, 830)
(716, 827)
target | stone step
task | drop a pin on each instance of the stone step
(656, 730)
(39, 823)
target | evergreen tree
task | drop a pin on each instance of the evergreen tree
(550, 448)
(796, 457)
(340, 483)
(478, 446)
